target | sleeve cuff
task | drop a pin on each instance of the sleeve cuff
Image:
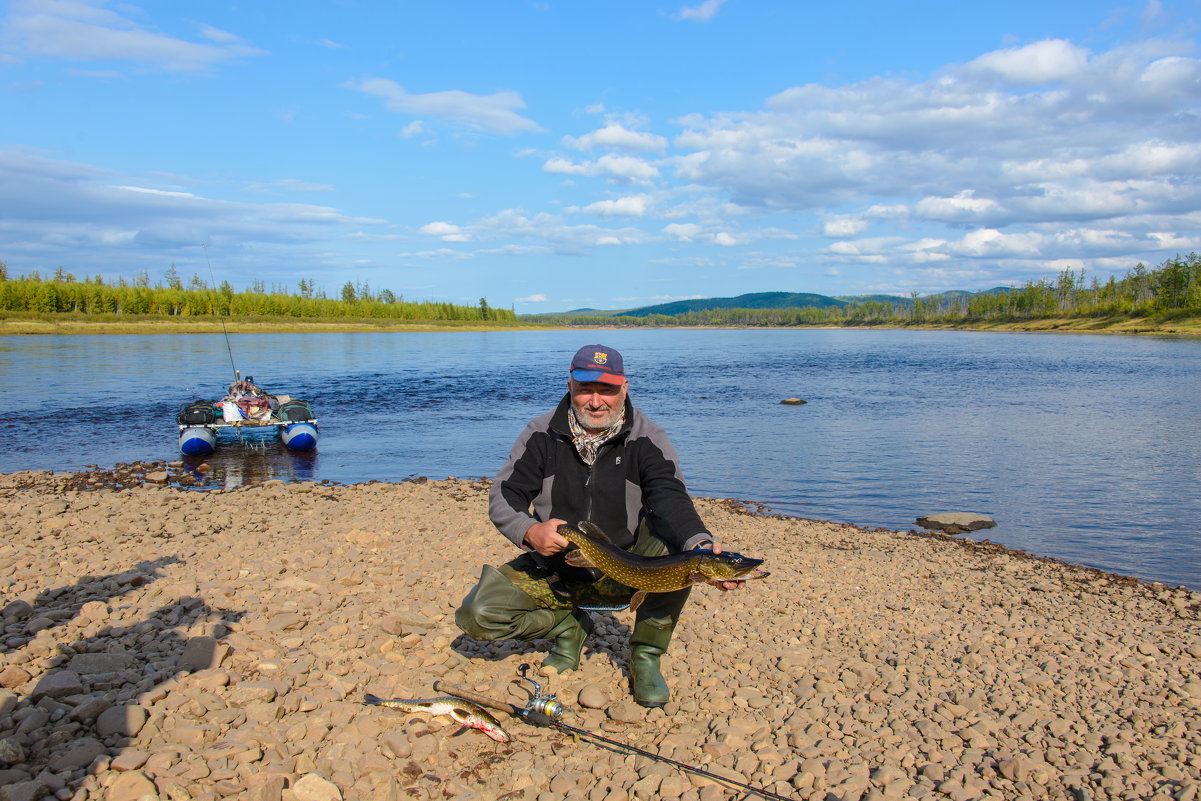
(704, 538)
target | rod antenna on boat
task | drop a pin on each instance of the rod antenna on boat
(237, 376)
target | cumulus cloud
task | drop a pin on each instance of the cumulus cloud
(981, 160)
(1048, 61)
(617, 137)
(447, 232)
(76, 30)
(629, 206)
(537, 297)
(495, 113)
(51, 209)
(619, 169)
(703, 12)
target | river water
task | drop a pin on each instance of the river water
(1084, 448)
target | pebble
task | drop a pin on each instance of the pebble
(872, 664)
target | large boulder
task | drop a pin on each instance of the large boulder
(956, 522)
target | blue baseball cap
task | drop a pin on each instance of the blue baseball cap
(597, 363)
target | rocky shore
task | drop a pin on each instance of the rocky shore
(158, 642)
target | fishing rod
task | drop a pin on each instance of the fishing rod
(237, 375)
(545, 710)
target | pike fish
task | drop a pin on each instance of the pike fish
(464, 712)
(649, 574)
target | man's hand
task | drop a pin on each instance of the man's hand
(715, 546)
(545, 538)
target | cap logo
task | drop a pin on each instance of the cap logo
(600, 357)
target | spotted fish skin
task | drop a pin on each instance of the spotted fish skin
(464, 712)
(654, 574)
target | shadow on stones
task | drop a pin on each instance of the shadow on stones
(499, 650)
(52, 608)
(83, 713)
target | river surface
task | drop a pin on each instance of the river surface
(1084, 448)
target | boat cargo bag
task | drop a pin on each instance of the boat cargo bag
(295, 411)
(198, 413)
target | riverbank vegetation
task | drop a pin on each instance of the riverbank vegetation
(92, 299)
(1163, 298)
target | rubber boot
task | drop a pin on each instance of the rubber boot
(569, 634)
(653, 627)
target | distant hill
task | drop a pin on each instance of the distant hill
(754, 300)
(758, 300)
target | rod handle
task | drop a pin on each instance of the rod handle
(476, 698)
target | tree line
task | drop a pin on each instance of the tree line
(62, 292)
(1171, 290)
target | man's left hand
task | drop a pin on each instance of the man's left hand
(724, 586)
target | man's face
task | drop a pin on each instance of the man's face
(597, 405)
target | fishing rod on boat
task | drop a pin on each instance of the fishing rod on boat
(237, 373)
(545, 710)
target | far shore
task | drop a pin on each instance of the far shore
(77, 325)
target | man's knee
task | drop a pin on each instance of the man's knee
(495, 609)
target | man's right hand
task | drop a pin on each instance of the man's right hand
(545, 538)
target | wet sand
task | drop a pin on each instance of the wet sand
(165, 643)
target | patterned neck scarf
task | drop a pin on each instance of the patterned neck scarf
(588, 444)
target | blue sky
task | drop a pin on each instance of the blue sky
(559, 154)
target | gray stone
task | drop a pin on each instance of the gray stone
(78, 755)
(956, 522)
(11, 752)
(199, 653)
(59, 684)
(793, 402)
(124, 721)
(23, 791)
(89, 664)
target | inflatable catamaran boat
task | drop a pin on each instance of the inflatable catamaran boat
(246, 415)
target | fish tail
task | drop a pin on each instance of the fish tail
(374, 700)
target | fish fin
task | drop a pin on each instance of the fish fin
(577, 558)
(594, 531)
(637, 600)
(697, 578)
(374, 700)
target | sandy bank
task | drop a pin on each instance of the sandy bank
(204, 645)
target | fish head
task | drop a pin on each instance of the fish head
(728, 566)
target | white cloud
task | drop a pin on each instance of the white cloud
(537, 297)
(617, 137)
(414, 128)
(629, 206)
(840, 227)
(702, 12)
(620, 169)
(51, 210)
(447, 232)
(683, 232)
(495, 113)
(76, 30)
(1048, 61)
(725, 239)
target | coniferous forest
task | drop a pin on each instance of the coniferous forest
(1169, 291)
(64, 293)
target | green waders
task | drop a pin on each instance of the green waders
(515, 602)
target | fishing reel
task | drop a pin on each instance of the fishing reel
(542, 709)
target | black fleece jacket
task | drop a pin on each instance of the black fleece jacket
(636, 475)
